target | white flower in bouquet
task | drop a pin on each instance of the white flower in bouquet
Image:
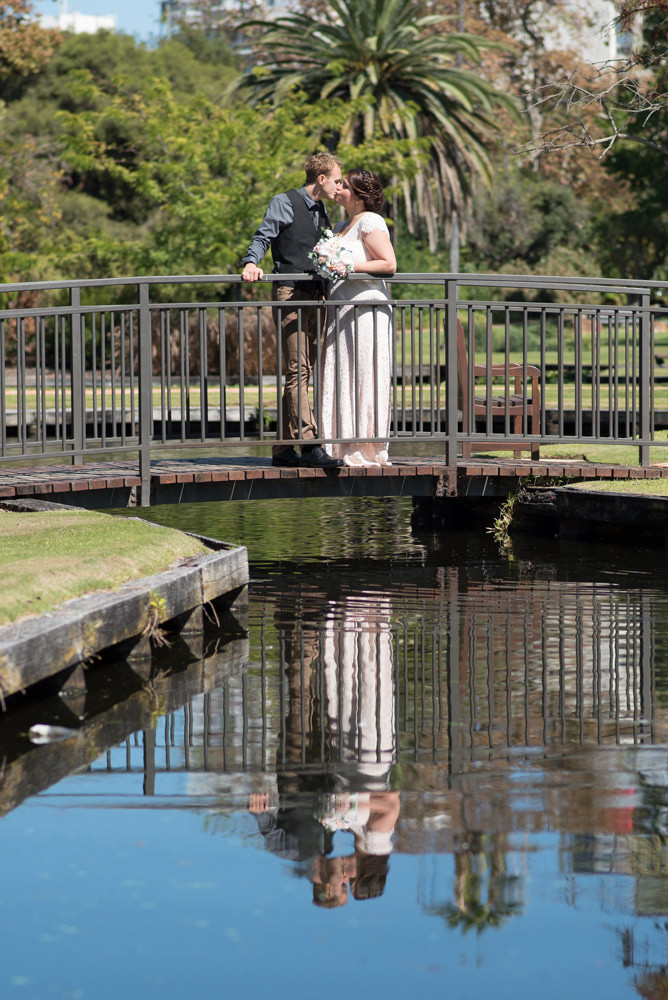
(331, 259)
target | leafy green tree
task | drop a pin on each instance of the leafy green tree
(208, 171)
(25, 47)
(522, 221)
(29, 210)
(97, 206)
(407, 67)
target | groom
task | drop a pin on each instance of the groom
(291, 226)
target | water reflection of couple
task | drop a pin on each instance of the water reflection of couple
(357, 350)
(340, 748)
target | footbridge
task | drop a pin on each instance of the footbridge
(166, 389)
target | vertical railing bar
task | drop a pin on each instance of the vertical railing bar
(543, 371)
(613, 430)
(394, 396)
(183, 390)
(3, 391)
(436, 371)
(300, 373)
(596, 377)
(452, 429)
(242, 370)
(634, 374)
(489, 351)
(337, 369)
(59, 379)
(413, 370)
(374, 315)
(260, 388)
(43, 380)
(420, 370)
(145, 395)
(170, 373)
(76, 388)
(280, 431)
(356, 371)
(525, 362)
(163, 341)
(402, 418)
(131, 369)
(39, 410)
(222, 370)
(644, 396)
(188, 393)
(22, 417)
(103, 374)
(320, 318)
(651, 389)
(122, 361)
(115, 331)
(93, 374)
(506, 359)
(578, 342)
(560, 373)
(613, 376)
(203, 380)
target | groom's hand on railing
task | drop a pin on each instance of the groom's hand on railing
(252, 272)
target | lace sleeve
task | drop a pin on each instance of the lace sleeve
(370, 222)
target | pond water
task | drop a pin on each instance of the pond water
(413, 764)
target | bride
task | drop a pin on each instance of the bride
(356, 375)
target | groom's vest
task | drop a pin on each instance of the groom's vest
(290, 248)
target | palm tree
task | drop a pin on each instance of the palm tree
(405, 67)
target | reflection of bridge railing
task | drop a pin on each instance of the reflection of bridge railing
(502, 683)
(128, 365)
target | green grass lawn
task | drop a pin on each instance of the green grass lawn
(48, 557)
(644, 487)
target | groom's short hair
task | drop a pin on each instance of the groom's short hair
(320, 163)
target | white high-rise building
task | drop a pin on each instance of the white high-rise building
(593, 31)
(173, 11)
(80, 24)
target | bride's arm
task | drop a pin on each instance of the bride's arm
(379, 246)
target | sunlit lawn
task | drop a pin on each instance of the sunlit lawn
(597, 454)
(617, 397)
(612, 392)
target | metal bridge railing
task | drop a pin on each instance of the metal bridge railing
(126, 366)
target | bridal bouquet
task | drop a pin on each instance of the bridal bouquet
(339, 812)
(331, 259)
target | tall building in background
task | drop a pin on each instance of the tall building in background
(80, 24)
(597, 37)
(173, 11)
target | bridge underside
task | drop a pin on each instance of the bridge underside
(99, 485)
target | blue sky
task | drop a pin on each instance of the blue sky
(134, 17)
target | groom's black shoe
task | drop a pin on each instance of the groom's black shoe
(317, 458)
(288, 458)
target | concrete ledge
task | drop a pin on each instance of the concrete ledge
(39, 648)
(571, 512)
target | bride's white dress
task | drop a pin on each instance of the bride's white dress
(356, 370)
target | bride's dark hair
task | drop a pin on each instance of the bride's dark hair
(367, 186)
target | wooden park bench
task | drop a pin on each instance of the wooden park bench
(514, 402)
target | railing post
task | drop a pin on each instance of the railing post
(645, 374)
(145, 396)
(78, 406)
(451, 378)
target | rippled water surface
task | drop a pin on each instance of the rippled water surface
(413, 765)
